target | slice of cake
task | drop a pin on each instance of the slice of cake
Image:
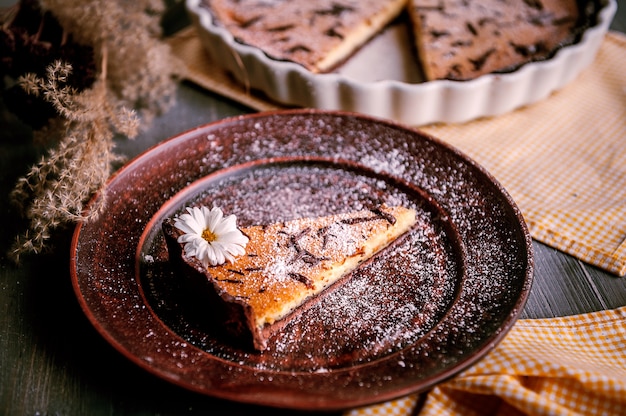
(287, 264)
(317, 34)
(461, 40)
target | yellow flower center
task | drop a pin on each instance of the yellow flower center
(208, 235)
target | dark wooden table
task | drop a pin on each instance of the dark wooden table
(53, 362)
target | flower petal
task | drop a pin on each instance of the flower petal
(214, 218)
(184, 226)
(212, 255)
(233, 237)
(188, 238)
(199, 218)
(227, 224)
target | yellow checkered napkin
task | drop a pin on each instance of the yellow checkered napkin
(560, 366)
(563, 160)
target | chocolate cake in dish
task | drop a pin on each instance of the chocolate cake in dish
(462, 40)
(318, 35)
(285, 266)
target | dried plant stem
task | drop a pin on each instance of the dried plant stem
(136, 71)
(55, 191)
(104, 51)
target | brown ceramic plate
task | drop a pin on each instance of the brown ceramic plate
(420, 312)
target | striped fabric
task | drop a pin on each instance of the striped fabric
(574, 365)
(563, 160)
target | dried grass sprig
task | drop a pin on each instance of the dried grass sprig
(139, 66)
(54, 191)
(137, 70)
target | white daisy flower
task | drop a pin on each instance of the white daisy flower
(209, 236)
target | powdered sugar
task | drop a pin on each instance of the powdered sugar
(420, 312)
(384, 306)
(438, 285)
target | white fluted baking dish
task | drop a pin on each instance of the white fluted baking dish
(391, 87)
